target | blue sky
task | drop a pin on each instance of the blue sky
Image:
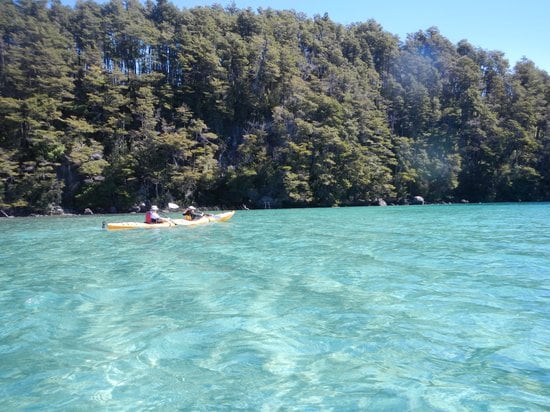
(517, 28)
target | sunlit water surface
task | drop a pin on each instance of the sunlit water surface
(396, 308)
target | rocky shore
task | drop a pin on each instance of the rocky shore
(56, 210)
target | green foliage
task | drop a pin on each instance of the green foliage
(108, 104)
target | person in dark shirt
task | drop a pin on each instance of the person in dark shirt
(192, 213)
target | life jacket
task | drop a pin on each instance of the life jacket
(193, 214)
(148, 218)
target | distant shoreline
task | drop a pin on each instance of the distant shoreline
(4, 215)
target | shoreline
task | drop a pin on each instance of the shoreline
(4, 215)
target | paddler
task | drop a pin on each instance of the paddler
(192, 213)
(152, 216)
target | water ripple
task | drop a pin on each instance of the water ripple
(422, 308)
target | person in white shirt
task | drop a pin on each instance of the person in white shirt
(152, 216)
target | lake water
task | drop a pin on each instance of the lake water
(394, 308)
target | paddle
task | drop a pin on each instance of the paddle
(172, 206)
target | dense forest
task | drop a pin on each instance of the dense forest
(109, 105)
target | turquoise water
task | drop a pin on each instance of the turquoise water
(396, 308)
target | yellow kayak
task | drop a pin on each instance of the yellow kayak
(221, 217)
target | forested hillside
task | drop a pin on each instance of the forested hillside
(109, 105)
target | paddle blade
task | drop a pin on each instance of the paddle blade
(173, 206)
